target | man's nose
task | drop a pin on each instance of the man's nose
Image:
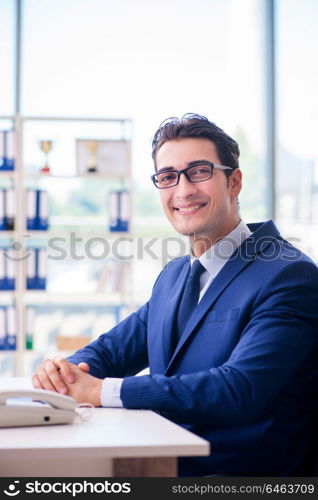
(185, 188)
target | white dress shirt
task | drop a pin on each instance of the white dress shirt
(212, 260)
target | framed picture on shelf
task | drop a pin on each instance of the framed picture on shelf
(102, 157)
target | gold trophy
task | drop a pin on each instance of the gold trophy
(46, 147)
(92, 160)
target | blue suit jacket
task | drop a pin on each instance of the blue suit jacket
(244, 374)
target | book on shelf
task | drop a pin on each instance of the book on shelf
(112, 277)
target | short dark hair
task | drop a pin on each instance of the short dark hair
(197, 126)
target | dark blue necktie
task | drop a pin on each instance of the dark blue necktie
(190, 298)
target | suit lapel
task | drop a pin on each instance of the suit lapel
(241, 258)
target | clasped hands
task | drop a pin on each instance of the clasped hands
(59, 375)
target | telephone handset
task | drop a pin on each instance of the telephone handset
(48, 408)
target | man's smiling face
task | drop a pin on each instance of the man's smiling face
(205, 209)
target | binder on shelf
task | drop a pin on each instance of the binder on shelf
(3, 331)
(119, 211)
(9, 212)
(30, 315)
(36, 269)
(37, 210)
(7, 149)
(31, 209)
(7, 270)
(10, 268)
(42, 211)
(31, 269)
(3, 148)
(2, 270)
(41, 271)
(10, 149)
(2, 210)
(11, 337)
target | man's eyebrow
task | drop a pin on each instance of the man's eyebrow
(166, 169)
(192, 163)
(199, 162)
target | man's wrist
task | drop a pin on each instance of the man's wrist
(98, 392)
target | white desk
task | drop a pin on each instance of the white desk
(114, 442)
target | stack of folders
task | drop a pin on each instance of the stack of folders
(8, 328)
(37, 210)
(7, 270)
(7, 149)
(7, 209)
(119, 210)
(36, 269)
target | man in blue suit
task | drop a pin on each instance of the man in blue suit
(230, 334)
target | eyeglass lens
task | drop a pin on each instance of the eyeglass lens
(195, 174)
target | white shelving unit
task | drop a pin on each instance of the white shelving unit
(21, 179)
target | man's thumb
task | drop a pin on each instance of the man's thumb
(84, 367)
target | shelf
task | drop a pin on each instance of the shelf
(8, 173)
(63, 233)
(76, 176)
(17, 235)
(8, 234)
(75, 119)
(6, 297)
(45, 352)
(79, 234)
(48, 298)
(70, 228)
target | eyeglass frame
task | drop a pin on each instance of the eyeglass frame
(184, 171)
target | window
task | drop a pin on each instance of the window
(7, 59)
(148, 61)
(297, 120)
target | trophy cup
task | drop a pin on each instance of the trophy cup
(92, 160)
(46, 147)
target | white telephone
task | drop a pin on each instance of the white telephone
(48, 408)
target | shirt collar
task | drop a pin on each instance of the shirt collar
(218, 254)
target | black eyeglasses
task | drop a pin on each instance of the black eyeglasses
(195, 173)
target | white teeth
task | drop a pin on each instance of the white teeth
(189, 209)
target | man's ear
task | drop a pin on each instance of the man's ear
(235, 182)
